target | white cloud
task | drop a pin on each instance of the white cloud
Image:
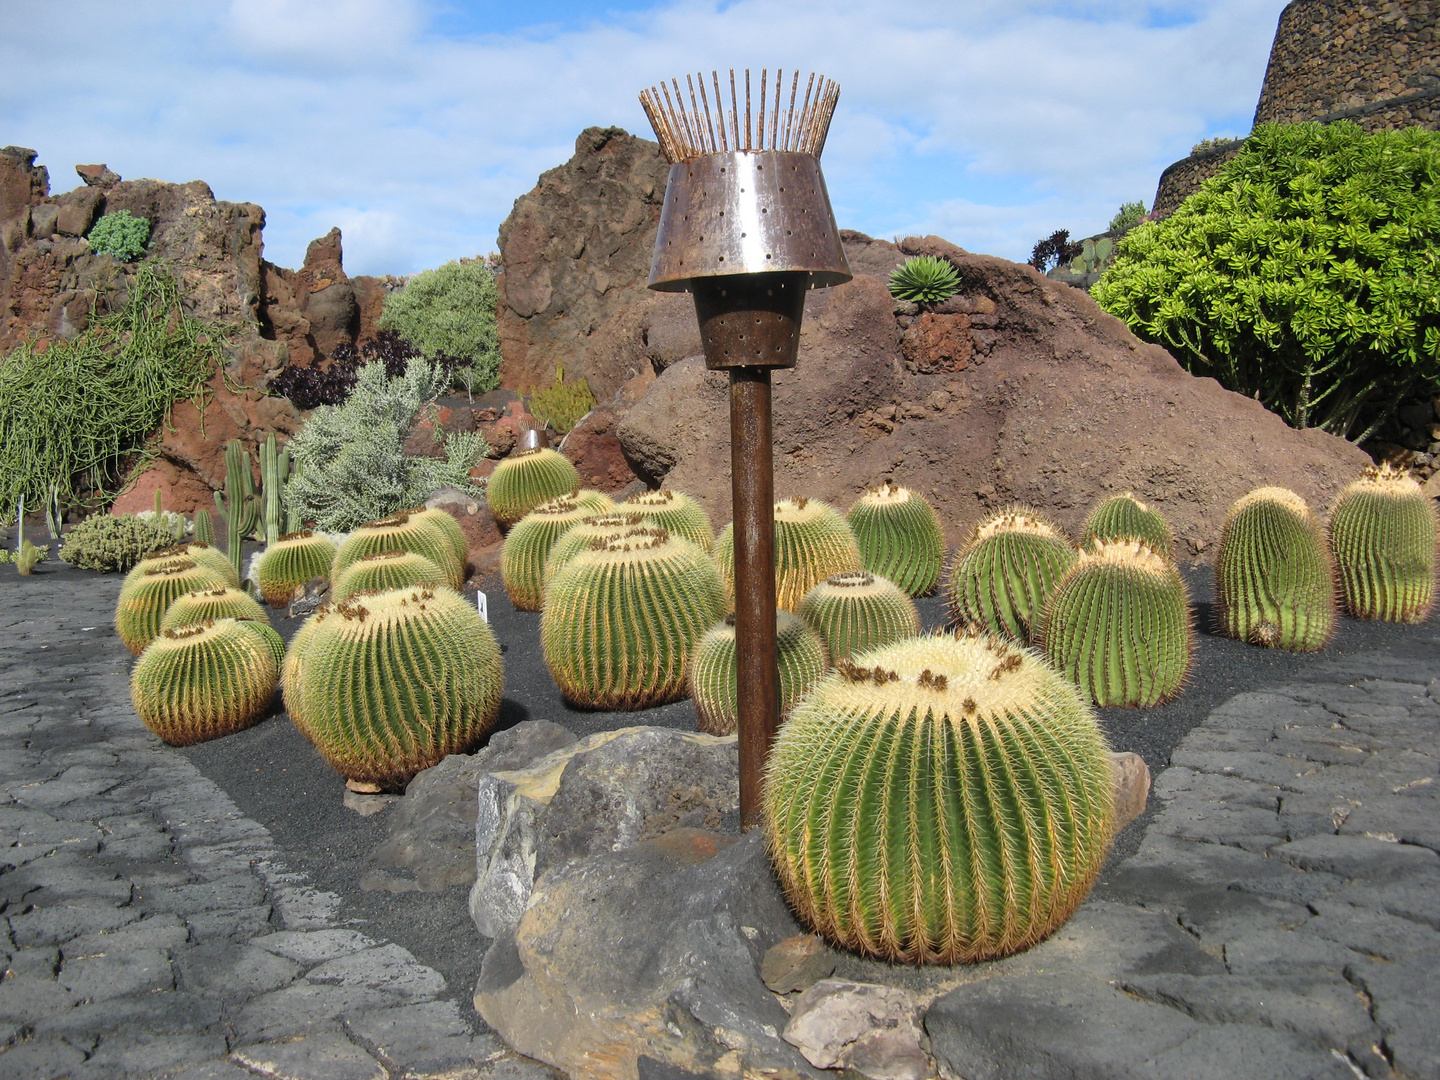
(992, 121)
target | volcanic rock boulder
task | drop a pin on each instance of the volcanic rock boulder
(1056, 404)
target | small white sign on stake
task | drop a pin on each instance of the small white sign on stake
(483, 606)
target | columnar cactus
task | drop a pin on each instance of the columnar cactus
(812, 542)
(387, 684)
(406, 533)
(206, 680)
(524, 480)
(1274, 584)
(621, 619)
(675, 512)
(386, 570)
(857, 611)
(899, 537)
(1124, 517)
(1003, 574)
(528, 544)
(1118, 626)
(196, 551)
(948, 802)
(207, 605)
(144, 599)
(713, 680)
(580, 536)
(290, 562)
(1383, 535)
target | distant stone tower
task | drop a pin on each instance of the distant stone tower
(1375, 63)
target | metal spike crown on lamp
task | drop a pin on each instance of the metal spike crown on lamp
(746, 227)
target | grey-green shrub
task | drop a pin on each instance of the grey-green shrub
(110, 543)
(121, 234)
(450, 311)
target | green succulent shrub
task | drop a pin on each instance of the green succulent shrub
(290, 562)
(675, 511)
(857, 611)
(1127, 217)
(528, 545)
(812, 541)
(350, 461)
(524, 480)
(924, 279)
(121, 234)
(386, 570)
(389, 683)
(1302, 274)
(562, 405)
(1274, 582)
(1003, 574)
(450, 311)
(1383, 534)
(713, 680)
(1216, 142)
(144, 599)
(205, 680)
(1117, 625)
(899, 537)
(947, 802)
(112, 543)
(78, 413)
(622, 618)
(405, 533)
(207, 605)
(1124, 517)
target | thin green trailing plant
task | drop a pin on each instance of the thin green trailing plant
(75, 415)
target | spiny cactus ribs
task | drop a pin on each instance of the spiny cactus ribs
(529, 543)
(857, 611)
(675, 511)
(946, 799)
(812, 541)
(204, 605)
(524, 480)
(196, 551)
(144, 598)
(1002, 576)
(290, 562)
(386, 570)
(899, 537)
(1124, 517)
(714, 675)
(406, 533)
(1384, 535)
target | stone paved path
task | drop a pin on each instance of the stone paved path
(148, 928)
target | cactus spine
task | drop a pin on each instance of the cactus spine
(528, 546)
(675, 512)
(207, 605)
(1117, 625)
(447, 526)
(196, 551)
(713, 678)
(386, 570)
(622, 618)
(580, 536)
(812, 542)
(1383, 534)
(1124, 517)
(899, 537)
(857, 611)
(206, 680)
(949, 802)
(523, 481)
(239, 506)
(406, 533)
(204, 528)
(1274, 584)
(1002, 576)
(143, 599)
(387, 684)
(291, 561)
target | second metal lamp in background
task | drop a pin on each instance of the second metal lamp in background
(747, 228)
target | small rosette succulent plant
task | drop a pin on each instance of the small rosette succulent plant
(924, 279)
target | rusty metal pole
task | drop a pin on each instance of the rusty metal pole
(748, 230)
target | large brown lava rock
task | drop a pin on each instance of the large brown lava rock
(1019, 389)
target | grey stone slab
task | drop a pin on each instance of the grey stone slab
(228, 971)
(314, 946)
(163, 931)
(1230, 1051)
(386, 967)
(1166, 870)
(313, 1057)
(1220, 915)
(1351, 856)
(1290, 952)
(214, 1070)
(1401, 819)
(160, 1014)
(41, 962)
(118, 974)
(27, 999)
(147, 1055)
(56, 925)
(1260, 767)
(240, 924)
(1327, 1011)
(63, 878)
(429, 1038)
(1406, 1004)
(303, 1007)
(1415, 896)
(1373, 933)
(235, 891)
(40, 1059)
(516, 1067)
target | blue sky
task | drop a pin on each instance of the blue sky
(415, 124)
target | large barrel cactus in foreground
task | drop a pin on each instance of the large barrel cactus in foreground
(1274, 584)
(206, 680)
(714, 681)
(622, 617)
(290, 562)
(1124, 517)
(144, 598)
(525, 479)
(404, 533)
(387, 684)
(812, 541)
(1001, 577)
(856, 611)
(1117, 625)
(944, 800)
(899, 537)
(1383, 534)
(528, 544)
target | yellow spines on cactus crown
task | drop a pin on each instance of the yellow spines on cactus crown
(899, 536)
(714, 676)
(445, 524)
(206, 680)
(406, 533)
(677, 512)
(1003, 573)
(386, 570)
(290, 562)
(812, 542)
(857, 611)
(1124, 517)
(1384, 533)
(202, 605)
(622, 616)
(945, 799)
(143, 600)
(525, 479)
(386, 684)
(577, 538)
(529, 542)
(196, 551)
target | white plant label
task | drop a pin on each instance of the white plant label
(483, 606)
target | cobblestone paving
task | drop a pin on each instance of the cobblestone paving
(148, 928)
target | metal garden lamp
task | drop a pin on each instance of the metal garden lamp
(747, 229)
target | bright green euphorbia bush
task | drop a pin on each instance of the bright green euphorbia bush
(1303, 274)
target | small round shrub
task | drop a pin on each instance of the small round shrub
(450, 311)
(113, 544)
(121, 234)
(924, 279)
